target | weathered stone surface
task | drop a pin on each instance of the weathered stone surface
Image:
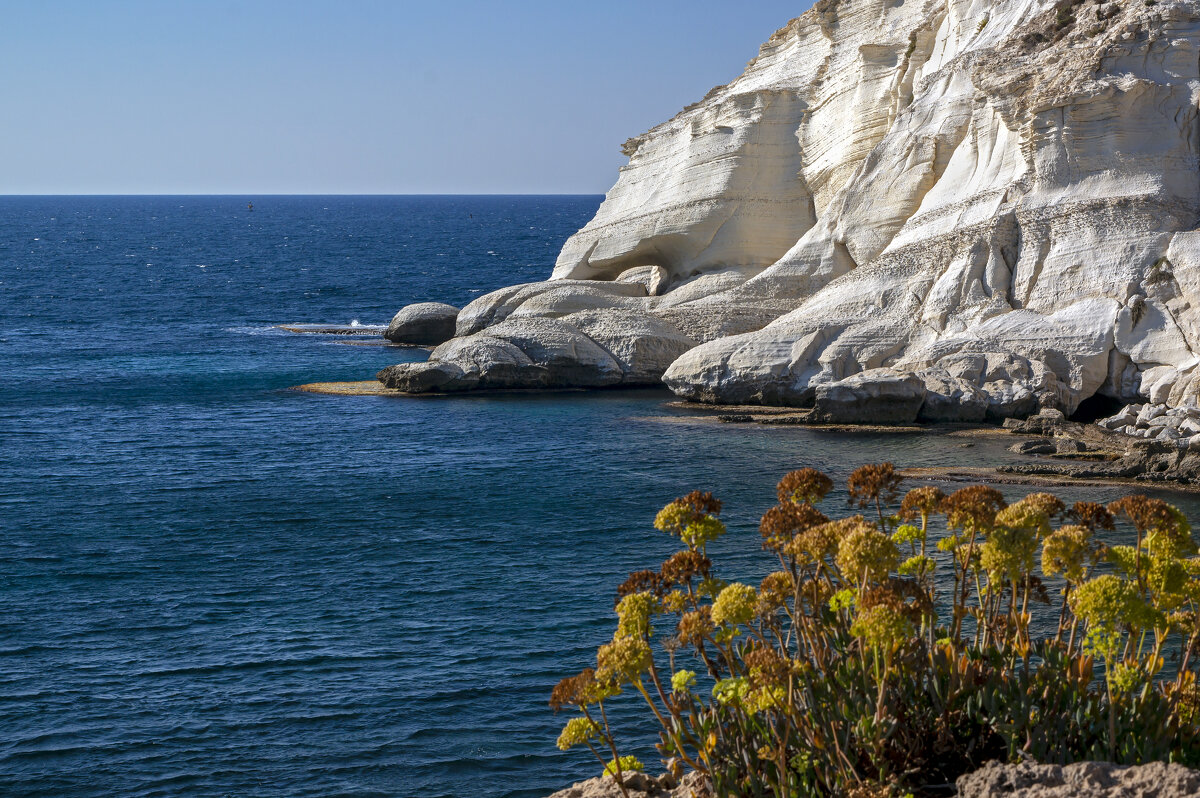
(642, 345)
(427, 377)
(879, 396)
(1081, 780)
(566, 296)
(655, 278)
(994, 199)
(1040, 446)
(639, 785)
(425, 324)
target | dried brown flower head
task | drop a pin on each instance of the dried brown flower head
(702, 502)
(646, 581)
(577, 691)
(767, 667)
(922, 502)
(877, 484)
(784, 521)
(682, 566)
(694, 626)
(1092, 515)
(902, 595)
(973, 508)
(1145, 513)
(774, 591)
(805, 486)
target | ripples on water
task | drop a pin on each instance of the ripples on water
(210, 585)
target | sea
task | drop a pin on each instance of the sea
(214, 585)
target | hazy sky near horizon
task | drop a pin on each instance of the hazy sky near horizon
(356, 96)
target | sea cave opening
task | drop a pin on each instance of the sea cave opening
(1096, 407)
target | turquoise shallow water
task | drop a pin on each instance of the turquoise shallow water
(211, 585)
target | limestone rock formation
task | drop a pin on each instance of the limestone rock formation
(423, 324)
(992, 203)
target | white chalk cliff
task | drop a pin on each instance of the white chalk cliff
(945, 209)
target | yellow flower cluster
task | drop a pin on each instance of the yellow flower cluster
(1026, 515)
(1009, 550)
(735, 605)
(818, 542)
(628, 764)
(882, 627)
(867, 552)
(1047, 504)
(731, 691)
(577, 731)
(680, 520)
(843, 600)
(633, 614)
(622, 661)
(917, 566)
(1067, 552)
(683, 681)
(907, 533)
(1108, 603)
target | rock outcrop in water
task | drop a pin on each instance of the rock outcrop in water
(423, 324)
(941, 209)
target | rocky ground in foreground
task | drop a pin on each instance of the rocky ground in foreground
(1081, 780)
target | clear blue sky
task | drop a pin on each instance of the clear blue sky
(352, 96)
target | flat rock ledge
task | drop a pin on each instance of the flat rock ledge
(423, 324)
(640, 785)
(1104, 450)
(1081, 780)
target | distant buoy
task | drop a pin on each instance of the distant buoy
(250, 206)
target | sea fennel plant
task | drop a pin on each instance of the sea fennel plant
(896, 650)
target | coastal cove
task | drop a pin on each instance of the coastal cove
(212, 584)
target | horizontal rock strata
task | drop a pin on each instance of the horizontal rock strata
(957, 210)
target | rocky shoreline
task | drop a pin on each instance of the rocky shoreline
(1059, 450)
(1007, 224)
(995, 780)
(1107, 451)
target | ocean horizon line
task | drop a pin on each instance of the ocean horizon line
(250, 194)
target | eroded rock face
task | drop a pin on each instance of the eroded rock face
(996, 197)
(423, 324)
(1081, 780)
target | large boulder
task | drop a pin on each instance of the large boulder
(427, 378)
(878, 396)
(423, 324)
(517, 353)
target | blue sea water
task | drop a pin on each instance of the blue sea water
(213, 585)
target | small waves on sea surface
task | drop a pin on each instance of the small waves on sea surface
(211, 585)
